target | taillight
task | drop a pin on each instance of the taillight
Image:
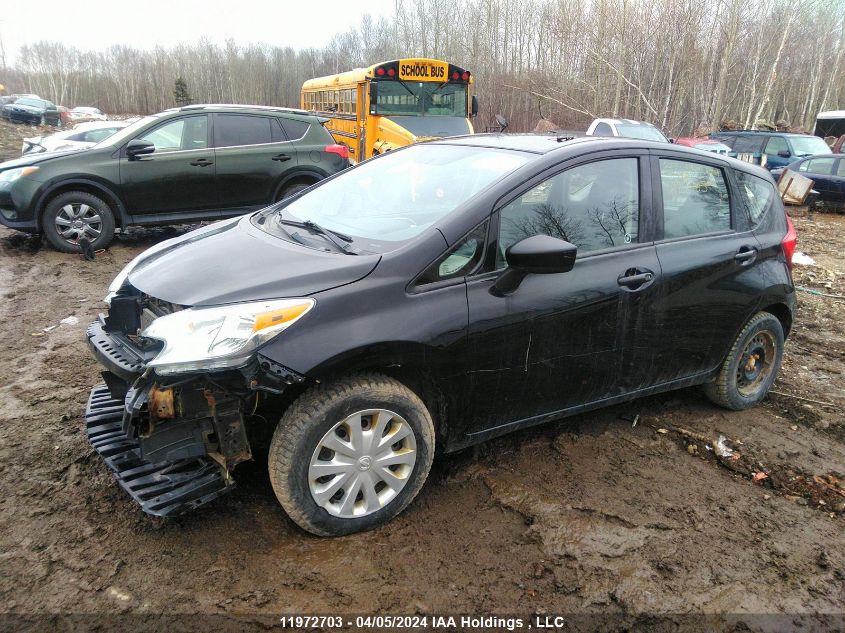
(788, 242)
(340, 150)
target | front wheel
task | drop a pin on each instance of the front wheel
(751, 366)
(76, 215)
(350, 455)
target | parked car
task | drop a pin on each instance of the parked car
(31, 110)
(627, 128)
(80, 137)
(168, 168)
(704, 144)
(827, 171)
(780, 148)
(80, 114)
(427, 300)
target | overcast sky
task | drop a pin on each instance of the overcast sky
(148, 23)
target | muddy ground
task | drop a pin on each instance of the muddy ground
(589, 515)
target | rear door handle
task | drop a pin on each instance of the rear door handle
(202, 162)
(635, 278)
(746, 255)
(281, 157)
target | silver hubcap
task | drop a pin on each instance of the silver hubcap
(77, 220)
(362, 463)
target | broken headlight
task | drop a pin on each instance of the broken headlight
(222, 337)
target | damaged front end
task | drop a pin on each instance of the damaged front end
(170, 436)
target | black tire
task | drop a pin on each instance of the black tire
(751, 366)
(75, 199)
(306, 423)
(293, 189)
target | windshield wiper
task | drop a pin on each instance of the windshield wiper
(332, 236)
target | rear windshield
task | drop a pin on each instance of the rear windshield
(397, 196)
(36, 103)
(644, 132)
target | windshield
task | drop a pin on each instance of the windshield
(808, 145)
(36, 103)
(397, 196)
(421, 98)
(644, 132)
(128, 132)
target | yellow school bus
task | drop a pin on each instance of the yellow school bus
(393, 104)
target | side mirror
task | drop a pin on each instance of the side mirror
(671, 140)
(474, 106)
(784, 153)
(539, 254)
(137, 148)
(502, 121)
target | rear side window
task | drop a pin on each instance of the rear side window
(593, 206)
(295, 130)
(695, 199)
(231, 130)
(756, 194)
(776, 145)
(747, 143)
(603, 129)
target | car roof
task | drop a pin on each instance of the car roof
(241, 107)
(738, 132)
(533, 143)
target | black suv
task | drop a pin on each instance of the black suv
(200, 162)
(429, 299)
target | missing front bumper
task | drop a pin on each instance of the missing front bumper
(165, 488)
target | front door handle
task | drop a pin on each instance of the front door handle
(746, 255)
(635, 278)
(281, 157)
(202, 162)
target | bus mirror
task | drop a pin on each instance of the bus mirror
(373, 96)
(502, 122)
(474, 107)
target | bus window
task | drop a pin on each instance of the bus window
(421, 98)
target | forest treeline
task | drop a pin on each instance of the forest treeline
(679, 64)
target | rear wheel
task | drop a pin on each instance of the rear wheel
(75, 215)
(350, 455)
(293, 189)
(752, 365)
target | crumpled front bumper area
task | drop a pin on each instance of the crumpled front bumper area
(166, 488)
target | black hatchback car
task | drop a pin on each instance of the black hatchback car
(200, 162)
(429, 299)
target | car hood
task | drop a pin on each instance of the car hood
(34, 159)
(233, 261)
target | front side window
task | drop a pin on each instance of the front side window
(820, 166)
(181, 134)
(593, 206)
(231, 130)
(695, 199)
(756, 193)
(397, 196)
